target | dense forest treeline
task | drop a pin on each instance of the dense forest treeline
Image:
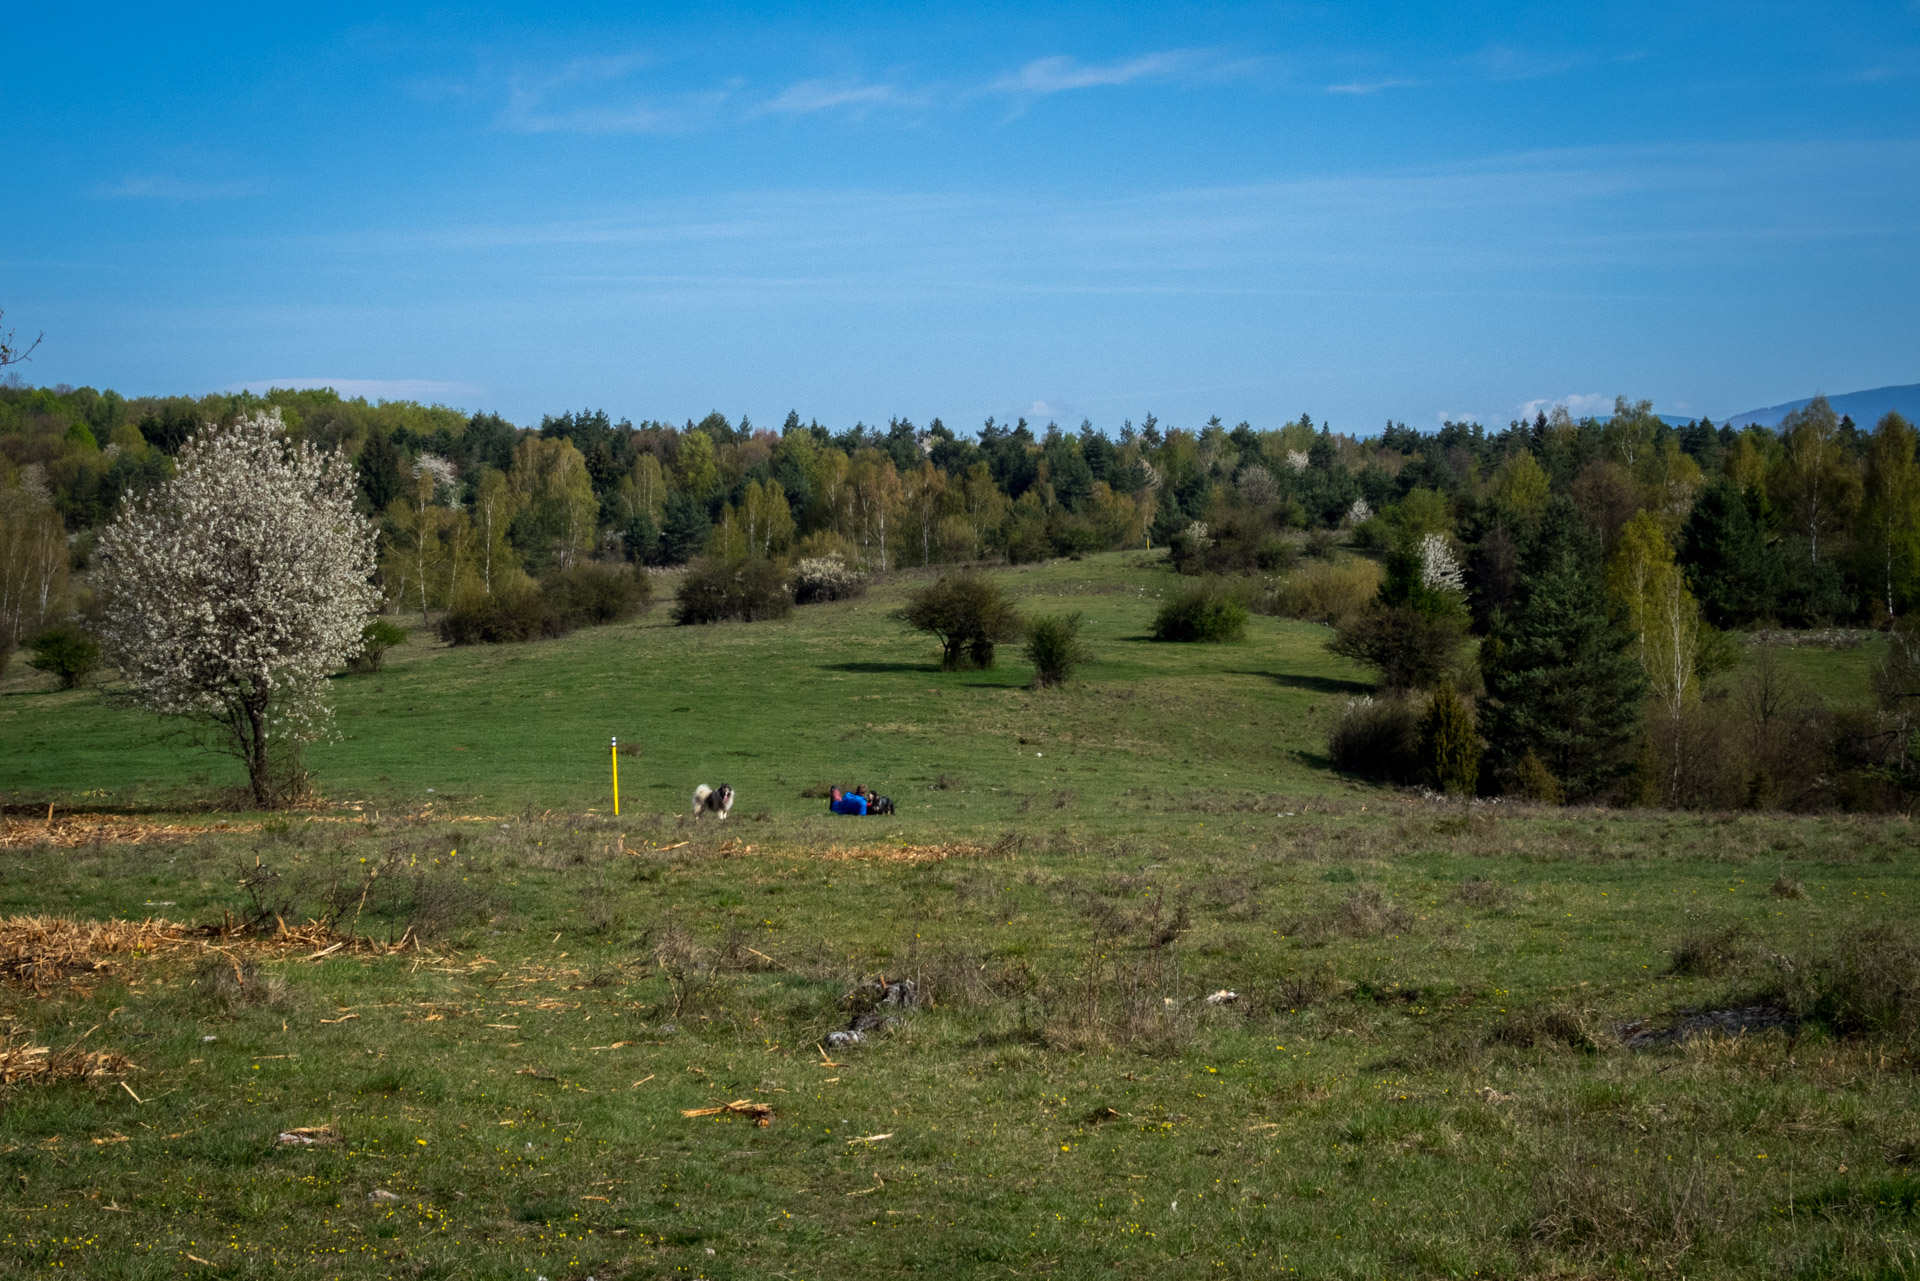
(1599, 563)
(1815, 523)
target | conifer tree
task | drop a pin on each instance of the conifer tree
(1448, 742)
(1562, 677)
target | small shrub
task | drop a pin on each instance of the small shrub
(1301, 991)
(1449, 746)
(1533, 780)
(592, 594)
(376, 638)
(67, 652)
(505, 617)
(747, 590)
(1410, 649)
(1785, 886)
(1367, 912)
(969, 613)
(1377, 738)
(1550, 1025)
(1709, 954)
(1477, 891)
(1866, 986)
(1055, 649)
(1207, 612)
(233, 983)
(823, 578)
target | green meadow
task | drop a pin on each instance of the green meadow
(1492, 1040)
(840, 692)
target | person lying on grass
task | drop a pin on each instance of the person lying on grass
(858, 801)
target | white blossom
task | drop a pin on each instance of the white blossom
(1439, 568)
(235, 588)
(1257, 486)
(446, 477)
(1297, 459)
(1361, 510)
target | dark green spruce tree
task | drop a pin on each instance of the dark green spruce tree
(1562, 678)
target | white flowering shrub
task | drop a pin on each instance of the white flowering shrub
(824, 578)
(235, 588)
(1297, 459)
(446, 477)
(1362, 510)
(1439, 567)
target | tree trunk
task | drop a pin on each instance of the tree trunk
(259, 766)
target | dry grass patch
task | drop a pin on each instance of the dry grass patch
(23, 1063)
(36, 950)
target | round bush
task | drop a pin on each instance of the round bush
(1207, 612)
(1055, 649)
(65, 651)
(824, 578)
(749, 590)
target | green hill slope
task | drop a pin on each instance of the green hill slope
(836, 693)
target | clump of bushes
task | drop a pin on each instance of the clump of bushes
(66, 652)
(748, 590)
(561, 603)
(1326, 592)
(1378, 738)
(376, 638)
(969, 613)
(591, 594)
(1055, 649)
(823, 578)
(1234, 541)
(1206, 612)
(1867, 985)
(1410, 649)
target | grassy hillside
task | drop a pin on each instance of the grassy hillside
(1489, 1041)
(839, 692)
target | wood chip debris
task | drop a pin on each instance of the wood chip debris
(761, 1113)
(24, 1064)
(35, 950)
(309, 1136)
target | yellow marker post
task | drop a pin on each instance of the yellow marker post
(616, 777)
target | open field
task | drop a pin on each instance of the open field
(838, 692)
(1445, 1057)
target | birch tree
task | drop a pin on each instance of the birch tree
(235, 588)
(33, 556)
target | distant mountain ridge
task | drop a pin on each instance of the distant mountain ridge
(1865, 407)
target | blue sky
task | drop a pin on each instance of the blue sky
(1358, 211)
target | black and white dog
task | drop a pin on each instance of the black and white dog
(712, 800)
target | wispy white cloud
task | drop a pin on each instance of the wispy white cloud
(181, 190)
(1578, 404)
(1060, 74)
(1370, 86)
(552, 102)
(810, 96)
(369, 388)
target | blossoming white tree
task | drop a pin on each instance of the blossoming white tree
(233, 590)
(1439, 568)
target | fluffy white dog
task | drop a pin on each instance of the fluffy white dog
(712, 800)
